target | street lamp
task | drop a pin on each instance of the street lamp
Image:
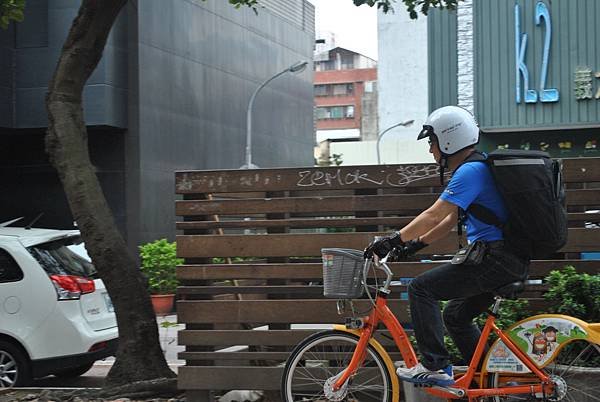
(294, 68)
(406, 123)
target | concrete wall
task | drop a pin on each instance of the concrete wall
(7, 59)
(392, 151)
(402, 81)
(170, 93)
(368, 118)
(466, 68)
(33, 47)
(30, 185)
(199, 63)
(29, 51)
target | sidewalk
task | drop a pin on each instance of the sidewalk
(168, 341)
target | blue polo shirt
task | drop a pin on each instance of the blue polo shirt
(472, 183)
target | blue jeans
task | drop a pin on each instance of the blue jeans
(469, 289)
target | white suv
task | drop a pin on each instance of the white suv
(55, 314)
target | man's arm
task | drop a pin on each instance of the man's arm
(442, 229)
(432, 223)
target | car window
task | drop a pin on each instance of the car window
(9, 269)
(56, 257)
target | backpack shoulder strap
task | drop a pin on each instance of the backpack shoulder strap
(485, 215)
(474, 157)
(478, 211)
(462, 214)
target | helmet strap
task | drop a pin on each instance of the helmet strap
(443, 167)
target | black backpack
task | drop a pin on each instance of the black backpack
(531, 185)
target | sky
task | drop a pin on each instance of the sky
(355, 28)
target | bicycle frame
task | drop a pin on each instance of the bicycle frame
(462, 388)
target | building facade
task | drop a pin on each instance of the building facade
(345, 85)
(402, 95)
(170, 93)
(403, 86)
(536, 77)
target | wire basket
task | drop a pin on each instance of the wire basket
(342, 273)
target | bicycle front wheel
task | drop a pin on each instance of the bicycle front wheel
(316, 362)
(575, 373)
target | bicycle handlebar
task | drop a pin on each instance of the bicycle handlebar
(382, 266)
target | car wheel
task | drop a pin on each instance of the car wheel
(74, 372)
(14, 366)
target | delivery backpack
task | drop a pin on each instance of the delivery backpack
(531, 186)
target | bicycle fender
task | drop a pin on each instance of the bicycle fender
(386, 359)
(541, 338)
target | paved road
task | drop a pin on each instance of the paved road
(95, 377)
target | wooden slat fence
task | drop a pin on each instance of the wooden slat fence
(241, 318)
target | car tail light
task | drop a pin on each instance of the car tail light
(71, 287)
(98, 346)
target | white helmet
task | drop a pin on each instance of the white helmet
(454, 128)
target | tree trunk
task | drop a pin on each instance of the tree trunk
(139, 356)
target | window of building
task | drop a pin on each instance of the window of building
(334, 89)
(370, 86)
(9, 269)
(349, 114)
(347, 62)
(324, 65)
(335, 112)
(322, 113)
(342, 89)
(320, 90)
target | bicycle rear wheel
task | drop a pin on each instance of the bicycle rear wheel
(321, 357)
(575, 373)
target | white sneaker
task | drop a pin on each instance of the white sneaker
(419, 374)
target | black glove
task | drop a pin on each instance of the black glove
(381, 246)
(409, 249)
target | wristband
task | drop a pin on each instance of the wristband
(419, 244)
(396, 239)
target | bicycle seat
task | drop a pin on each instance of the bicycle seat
(510, 291)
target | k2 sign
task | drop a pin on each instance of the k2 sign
(531, 95)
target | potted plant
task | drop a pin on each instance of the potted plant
(159, 260)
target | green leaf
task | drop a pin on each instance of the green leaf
(11, 10)
(4, 21)
(16, 15)
(168, 324)
(159, 262)
(573, 293)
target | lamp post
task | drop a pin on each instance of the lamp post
(294, 68)
(406, 123)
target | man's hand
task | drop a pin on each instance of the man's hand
(383, 245)
(409, 249)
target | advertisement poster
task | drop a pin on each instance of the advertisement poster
(539, 338)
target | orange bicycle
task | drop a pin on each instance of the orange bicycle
(547, 357)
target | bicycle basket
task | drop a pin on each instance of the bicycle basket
(342, 273)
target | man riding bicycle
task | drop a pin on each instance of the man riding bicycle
(469, 281)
